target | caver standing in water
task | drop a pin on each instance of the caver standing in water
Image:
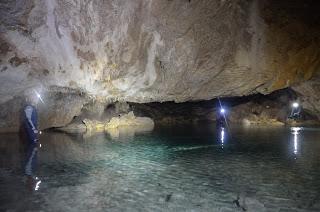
(30, 125)
(295, 111)
(220, 118)
(220, 126)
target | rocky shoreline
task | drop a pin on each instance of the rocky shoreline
(126, 121)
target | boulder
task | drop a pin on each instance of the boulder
(267, 113)
(94, 125)
(129, 120)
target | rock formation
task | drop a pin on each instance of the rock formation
(125, 121)
(59, 107)
(150, 51)
(129, 120)
(309, 93)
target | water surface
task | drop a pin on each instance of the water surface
(180, 168)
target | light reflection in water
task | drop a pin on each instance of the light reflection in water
(33, 183)
(295, 131)
(79, 171)
(222, 136)
(36, 188)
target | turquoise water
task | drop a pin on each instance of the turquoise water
(180, 168)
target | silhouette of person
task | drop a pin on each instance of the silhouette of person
(30, 126)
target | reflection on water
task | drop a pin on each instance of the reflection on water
(295, 131)
(33, 182)
(185, 168)
(222, 136)
(128, 131)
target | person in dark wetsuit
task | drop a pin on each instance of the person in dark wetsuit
(30, 125)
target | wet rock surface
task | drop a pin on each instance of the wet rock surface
(129, 120)
(125, 123)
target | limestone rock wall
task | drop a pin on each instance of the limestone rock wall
(59, 107)
(309, 95)
(156, 50)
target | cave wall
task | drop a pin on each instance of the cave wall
(59, 107)
(309, 94)
(257, 110)
(156, 50)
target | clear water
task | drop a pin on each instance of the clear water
(170, 169)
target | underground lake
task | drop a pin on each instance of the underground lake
(195, 167)
(159, 105)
